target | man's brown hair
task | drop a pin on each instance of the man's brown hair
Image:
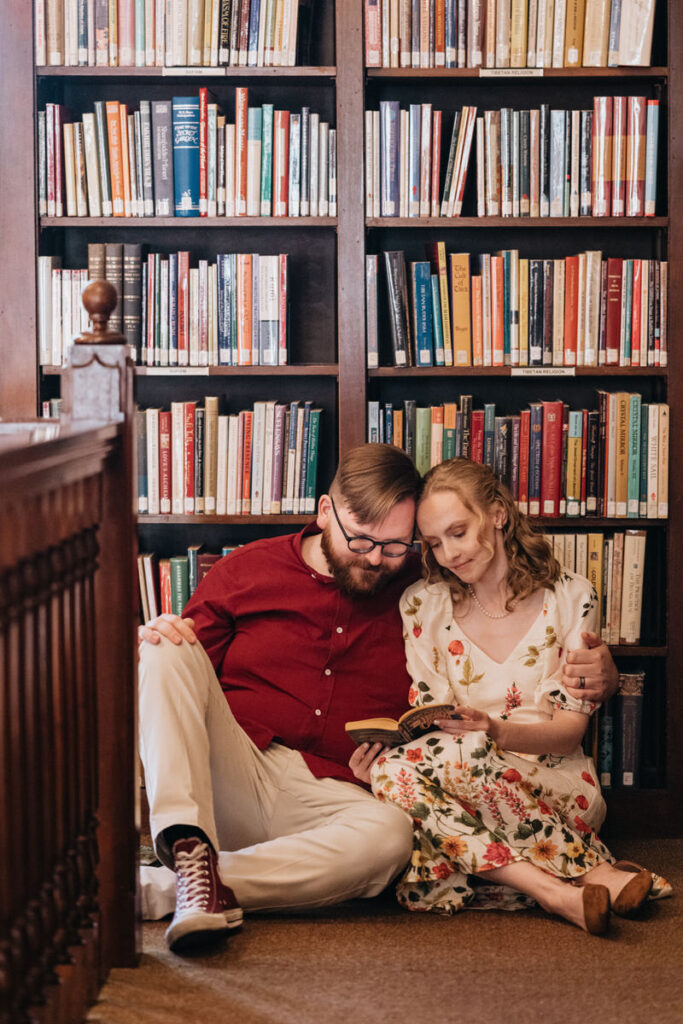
(372, 478)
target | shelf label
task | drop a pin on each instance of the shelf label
(176, 371)
(198, 72)
(511, 72)
(543, 371)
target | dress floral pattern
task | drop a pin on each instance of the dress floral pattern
(475, 806)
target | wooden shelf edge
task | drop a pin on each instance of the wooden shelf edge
(299, 71)
(291, 370)
(530, 74)
(550, 372)
(247, 520)
(599, 522)
(188, 222)
(517, 222)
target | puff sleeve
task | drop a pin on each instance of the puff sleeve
(425, 611)
(576, 612)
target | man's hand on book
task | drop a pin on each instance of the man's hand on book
(593, 666)
(363, 758)
(173, 627)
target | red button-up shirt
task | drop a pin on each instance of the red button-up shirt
(296, 658)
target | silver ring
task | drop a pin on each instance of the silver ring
(582, 682)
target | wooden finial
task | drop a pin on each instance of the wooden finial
(99, 299)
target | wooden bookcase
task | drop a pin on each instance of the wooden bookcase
(328, 285)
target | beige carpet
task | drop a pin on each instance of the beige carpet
(373, 961)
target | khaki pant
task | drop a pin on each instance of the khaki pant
(285, 839)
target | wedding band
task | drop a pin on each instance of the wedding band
(582, 682)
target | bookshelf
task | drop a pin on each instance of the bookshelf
(328, 361)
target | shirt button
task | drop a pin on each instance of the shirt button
(312, 575)
(328, 671)
(339, 629)
(318, 711)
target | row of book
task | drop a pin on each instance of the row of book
(167, 584)
(508, 33)
(156, 33)
(180, 158)
(229, 313)
(261, 461)
(598, 162)
(611, 461)
(617, 744)
(460, 309)
(615, 565)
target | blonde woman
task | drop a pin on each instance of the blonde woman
(505, 803)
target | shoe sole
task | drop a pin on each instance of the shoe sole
(193, 934)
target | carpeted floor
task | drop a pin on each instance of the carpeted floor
(374, 961)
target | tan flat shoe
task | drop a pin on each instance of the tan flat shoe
(628, 865)
(633, 895)
(596, 908)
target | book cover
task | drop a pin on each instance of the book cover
(185, 120)
(630, 718)
(162, 156)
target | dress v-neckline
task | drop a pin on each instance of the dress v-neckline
(512, 650)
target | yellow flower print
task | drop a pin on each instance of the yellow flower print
(454, 847)
(574, 850)
(544, 849)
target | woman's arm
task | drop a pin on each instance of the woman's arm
(560, 735)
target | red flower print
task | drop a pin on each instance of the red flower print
(587, 777)
(414, 755)
(543, 807)
(512, 775)
(442, 871)
(581, 824)
(412, 695)
(582, 802)
(381, 760)
(455, 647)
(498, 855)
(513, 699)
(417, 630)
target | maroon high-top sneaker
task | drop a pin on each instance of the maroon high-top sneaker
(205, 908)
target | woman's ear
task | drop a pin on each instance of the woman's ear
(500, 518)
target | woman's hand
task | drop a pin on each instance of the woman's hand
(363, 758)
(465, 719)
(173, 627)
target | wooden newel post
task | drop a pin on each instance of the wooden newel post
(98, 386)
(98, 382)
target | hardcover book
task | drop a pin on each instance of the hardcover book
(392, 732)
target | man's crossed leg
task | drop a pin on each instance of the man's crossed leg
(243, 827)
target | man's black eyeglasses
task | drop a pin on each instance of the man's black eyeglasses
(364, 545)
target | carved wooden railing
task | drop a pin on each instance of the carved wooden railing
(67, 690)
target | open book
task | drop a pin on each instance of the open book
(391, 732)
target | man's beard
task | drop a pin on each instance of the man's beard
(357, 578)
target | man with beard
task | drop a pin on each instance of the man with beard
(252, 802)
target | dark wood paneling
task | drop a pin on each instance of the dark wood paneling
(19, 378)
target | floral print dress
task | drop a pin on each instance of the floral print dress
(474, 806)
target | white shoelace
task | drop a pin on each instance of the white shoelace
(193, 876)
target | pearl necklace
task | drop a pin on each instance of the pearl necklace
(489, 615)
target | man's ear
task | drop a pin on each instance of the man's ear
(324, 511)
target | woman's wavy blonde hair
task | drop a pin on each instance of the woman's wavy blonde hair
(531, 562)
